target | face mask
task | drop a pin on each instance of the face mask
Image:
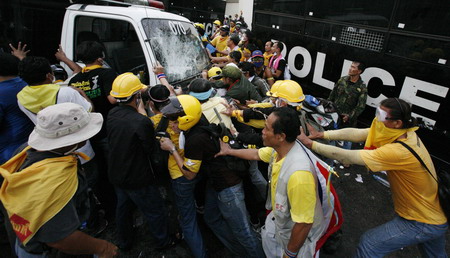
(381, 115)
(380, 135)
(138, 99)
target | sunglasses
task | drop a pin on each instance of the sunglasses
(382, 115)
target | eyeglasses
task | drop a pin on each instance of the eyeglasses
(382, 115)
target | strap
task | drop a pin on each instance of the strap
(417, 157)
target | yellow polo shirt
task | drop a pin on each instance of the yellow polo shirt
(301, 188)
(220, 43)
(414, 191)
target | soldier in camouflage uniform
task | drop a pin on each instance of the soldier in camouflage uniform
(350, 95)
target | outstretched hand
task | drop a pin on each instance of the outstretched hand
(224, 149)
(304, 139)
(158, 68)
(313, 133)
(20, 51)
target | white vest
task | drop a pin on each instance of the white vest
(295, 160)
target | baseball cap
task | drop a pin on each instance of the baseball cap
(257, 53)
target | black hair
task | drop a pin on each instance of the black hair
(9, 65)
(89, 51)
(287, 122)
(235, 39)
(280, 45)
(247, 67)
(34, 69)
(361, 65)
(200, 85)
(399, 110)
(159, 95)
(59, 72)
(236, 56)
(252, 47)
(87, 36)
(249, 34)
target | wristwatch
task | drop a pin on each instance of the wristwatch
(172, 150)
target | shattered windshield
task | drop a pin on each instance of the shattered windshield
(177, 47)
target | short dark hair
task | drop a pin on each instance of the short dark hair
(200, 85)
(247, 67)
(235, 39)
(89, 51)
(236, 55)
(361, 66)
(34, 69)
(287, 122)
(400, 110)
(9, 65)
(280, 45)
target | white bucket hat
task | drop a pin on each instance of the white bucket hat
(63, 125)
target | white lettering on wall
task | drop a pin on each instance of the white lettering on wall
(318, 72)
(307, 61)
(409, 92)
(385, 77)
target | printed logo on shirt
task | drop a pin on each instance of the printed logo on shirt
(21, 226)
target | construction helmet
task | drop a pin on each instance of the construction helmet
(214, 72)
(200, 25)
(217, 22)
(288, 90)
(125, 86)
(186, 109)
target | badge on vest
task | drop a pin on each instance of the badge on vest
(280, 207)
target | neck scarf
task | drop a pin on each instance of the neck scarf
(274, 61)
(380, 135)
(90, 68)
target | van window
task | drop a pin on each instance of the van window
(123, 50)
(177, 47)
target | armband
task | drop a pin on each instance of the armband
(161, 75)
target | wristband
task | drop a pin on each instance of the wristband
(271, 78)
(290, 254)
(173, 150)
(161, 75)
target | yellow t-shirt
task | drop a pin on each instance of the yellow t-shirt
(301, 188)
(220, 43)
(267, 57)
(174, 170)
(414, 191)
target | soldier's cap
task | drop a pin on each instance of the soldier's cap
(231, 72)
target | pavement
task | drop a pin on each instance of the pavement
(365, 204)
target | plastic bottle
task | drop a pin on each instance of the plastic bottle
(382, 181)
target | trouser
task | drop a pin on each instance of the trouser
(401, 232)
(226, 215)
(184, 198)
(149, 202)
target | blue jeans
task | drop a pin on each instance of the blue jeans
(226, 215)
(184, 198)
(401, 232)
(149, 202)
(257, 178)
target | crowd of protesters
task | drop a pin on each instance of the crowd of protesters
(79, 151)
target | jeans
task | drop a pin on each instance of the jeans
(257, 178)
(401, 232)
(149, 202)
(21, 253)
(184, 198)
(226, 215)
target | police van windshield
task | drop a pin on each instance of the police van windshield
(177, 47)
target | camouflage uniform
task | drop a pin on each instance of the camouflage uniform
(349, 98)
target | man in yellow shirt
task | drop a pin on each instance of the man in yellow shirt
(220, 42)
(420, 219)
(295, 222)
